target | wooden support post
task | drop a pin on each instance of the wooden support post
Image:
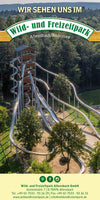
(46, 157)
(31, 158)
(47, 97)
(20, 107)
(32, 96)
(78, 104)
(69, 99)
(16, 154)
(18, 113)
(78, 108)
(74, 100)
(47, 78)
(10, 146)
(63, 110)
(16, 119)
(76, 117)
(89, 114)
(52, 103)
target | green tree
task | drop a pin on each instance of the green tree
(3, 118)
(61, 87)
(2, 23)
(65, 57)
(27, 17)
(96, 64)
(18, 18)
(86, 64)
(39, 168)
(6, 54)
(67, 137)
(10, 20)
(94, 162)
(29, 129)
(75, 73)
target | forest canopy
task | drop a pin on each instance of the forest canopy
(59, 52)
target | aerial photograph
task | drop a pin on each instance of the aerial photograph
(49, 87)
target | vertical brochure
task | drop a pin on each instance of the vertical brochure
(49, 99)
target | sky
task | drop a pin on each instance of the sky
(42, 1)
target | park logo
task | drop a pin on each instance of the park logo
(49, 24)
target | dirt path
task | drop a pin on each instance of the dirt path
(41, 147)
(91, 139)
(55, 163)
(58, 168)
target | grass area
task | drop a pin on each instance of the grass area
(4, 145)
(8, 163)
(78, 118)
(95, 120)
(11, 165)
(91, 97)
